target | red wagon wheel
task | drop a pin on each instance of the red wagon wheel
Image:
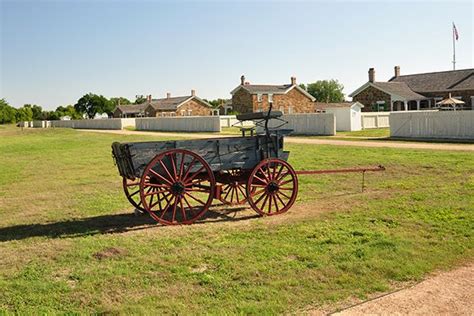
(132, 192)
(272, 187)
(233, 189)
(177, 187)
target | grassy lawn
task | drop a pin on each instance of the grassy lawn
(69, 243)
(373, 132)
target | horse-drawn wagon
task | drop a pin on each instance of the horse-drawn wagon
(177, 181)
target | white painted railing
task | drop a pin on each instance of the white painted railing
(375, 119)
(443, 124)
(180, 124)
(308, 124)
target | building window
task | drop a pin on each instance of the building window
(182, 112)
(282, 109)
(259, 97)
(270, 97)
(380, 106)
(190, 112)
(290, 109)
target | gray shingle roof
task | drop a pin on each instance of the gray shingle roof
(132, 108)
(168, 104)
(266, 88)
(438, 81)
(400, 89)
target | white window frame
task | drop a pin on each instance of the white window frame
(290, 109)
(282, 109)
(189, 112)
(270, 97)
(259, 97)
(183, 112)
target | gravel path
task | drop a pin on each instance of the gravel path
(312, 141)
(449, 293)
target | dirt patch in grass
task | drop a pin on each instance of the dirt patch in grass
(109, 253)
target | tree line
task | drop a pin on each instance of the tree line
(86, 107)
(90, 104)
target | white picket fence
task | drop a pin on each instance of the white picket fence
(375, 119)
(90, 124)
(308, 124)
(179, 124)
(231, 120)
(443, 124)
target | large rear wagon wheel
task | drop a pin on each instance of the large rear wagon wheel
(272, 187)
(132, 192)
(177, 187)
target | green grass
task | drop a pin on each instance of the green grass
(68, 243)
(367, 133)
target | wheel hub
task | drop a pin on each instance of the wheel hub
(177, 188)
(272, 187)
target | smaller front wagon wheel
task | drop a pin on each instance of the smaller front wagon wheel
(272, 187)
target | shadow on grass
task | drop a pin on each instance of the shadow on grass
(108, 224)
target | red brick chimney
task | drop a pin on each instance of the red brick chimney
(242, 80)
(397, 71)
(193, 93)
(371, 74)
(168, 95)
(148, 98)
(293, 81)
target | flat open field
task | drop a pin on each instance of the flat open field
(69, 241)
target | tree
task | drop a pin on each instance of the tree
(67, 110)
(7, 112)
(215, 103)
(140, 99)
(24, 114)
(37, 111)
(302, 86)
(91, 104)
(120, 100)
(326, 90)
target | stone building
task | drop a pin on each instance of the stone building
(415, 92)
(129, 110)
(288, 98)
(189, 105)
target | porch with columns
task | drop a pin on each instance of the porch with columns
(410, 105)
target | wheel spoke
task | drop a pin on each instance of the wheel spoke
(183, 211)
(193, 176)
(264, 201)
(259, 179)
(270, 204)
(157, 185)
(174, 208)
(194, 198)
(289, 198)
(173, 164)
(189, 168)
(167, 171)
(285, 182)
(159, 176)
(181, 167)
(279, 198)
(189, 205)
(134, 193)
(276, 203)
(264, 175)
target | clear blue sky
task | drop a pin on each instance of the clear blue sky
(53, 52)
